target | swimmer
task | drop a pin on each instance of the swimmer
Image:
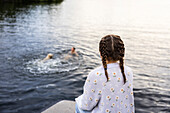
(72, 52)
(49, 56)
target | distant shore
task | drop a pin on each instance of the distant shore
(27, 1)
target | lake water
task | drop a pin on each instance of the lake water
(29, 32)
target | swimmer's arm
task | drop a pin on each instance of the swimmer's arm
(76, 54)
(44, 59)
(67, 57)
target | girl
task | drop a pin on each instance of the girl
(108, 88)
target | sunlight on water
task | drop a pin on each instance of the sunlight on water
(29, 32)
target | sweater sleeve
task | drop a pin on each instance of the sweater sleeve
(91, 93)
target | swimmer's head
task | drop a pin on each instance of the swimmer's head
(50, 56)
(73, 49)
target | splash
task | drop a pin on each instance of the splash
(56, 65)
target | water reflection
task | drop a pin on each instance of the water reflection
(12, 10)
(29, 32)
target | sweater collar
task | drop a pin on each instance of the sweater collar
(112, 65)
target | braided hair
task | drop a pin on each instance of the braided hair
(111, 48)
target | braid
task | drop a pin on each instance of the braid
(104, 56)
(121, 64)
(121, 51)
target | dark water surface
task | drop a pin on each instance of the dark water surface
(29, 32)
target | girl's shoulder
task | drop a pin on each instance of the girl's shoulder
(128, 70)
(97, 71)
(97, 74)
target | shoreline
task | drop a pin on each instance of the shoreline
(31, 1)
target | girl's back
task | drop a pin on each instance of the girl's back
(111, 97)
